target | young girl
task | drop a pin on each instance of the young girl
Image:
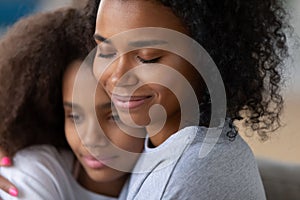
(246, 41)
(45, 172)
(26, 96)
(48, 175)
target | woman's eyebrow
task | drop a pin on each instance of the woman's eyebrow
(147, 43)
(139, 44)
(100, 38)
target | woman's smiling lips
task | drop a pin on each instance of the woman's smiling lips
(129, 102)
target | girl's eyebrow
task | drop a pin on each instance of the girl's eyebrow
(71, 105)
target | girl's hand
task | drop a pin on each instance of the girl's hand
(6, 185)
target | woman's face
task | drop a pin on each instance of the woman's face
(117, 16)
(104, 151)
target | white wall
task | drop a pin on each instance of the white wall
(294, 83)
(53, 4)
(284, 144)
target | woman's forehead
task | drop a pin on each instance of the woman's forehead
(115, 16)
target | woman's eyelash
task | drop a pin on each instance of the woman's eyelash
(106, 55)
(154, 60)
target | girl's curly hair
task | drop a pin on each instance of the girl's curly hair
(34, 54)
(247, 41)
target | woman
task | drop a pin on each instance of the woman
(144, 45)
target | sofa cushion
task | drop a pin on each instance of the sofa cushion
(281, 180)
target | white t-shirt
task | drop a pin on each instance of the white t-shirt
(44, 173)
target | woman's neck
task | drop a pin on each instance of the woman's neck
(169, 128)
(112, 189)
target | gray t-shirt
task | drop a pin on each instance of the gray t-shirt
(177, 170)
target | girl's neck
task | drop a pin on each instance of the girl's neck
(112, 189)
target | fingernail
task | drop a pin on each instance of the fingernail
(13, 191)
(5, 161)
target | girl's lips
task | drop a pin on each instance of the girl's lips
(92, 162)
(95, 163)
(128, 102)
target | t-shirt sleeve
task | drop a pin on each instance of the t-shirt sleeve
(228, 172)
(36, 173)
(30, 187)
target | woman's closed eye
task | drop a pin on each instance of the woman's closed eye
(106, 51)
(146, 61)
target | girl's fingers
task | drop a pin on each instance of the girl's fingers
(8, 187)
(5, 160)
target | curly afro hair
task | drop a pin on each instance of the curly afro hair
(34, 55)
(247, 41)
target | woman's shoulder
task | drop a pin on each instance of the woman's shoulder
(211, 148)
(212, 142)
(226, 169)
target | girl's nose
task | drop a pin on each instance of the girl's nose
(94, 136)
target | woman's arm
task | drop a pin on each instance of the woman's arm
(6, 185)
(39, 173)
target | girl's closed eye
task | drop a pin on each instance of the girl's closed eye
(74, 117)
(114, 118)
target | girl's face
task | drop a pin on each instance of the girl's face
(117, 16)
(100, 154)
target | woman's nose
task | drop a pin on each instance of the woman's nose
(119, 74)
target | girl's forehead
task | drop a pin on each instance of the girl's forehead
(81, 87)
(91, 97)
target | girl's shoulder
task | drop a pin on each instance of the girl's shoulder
(40, 172)
(45, 155)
